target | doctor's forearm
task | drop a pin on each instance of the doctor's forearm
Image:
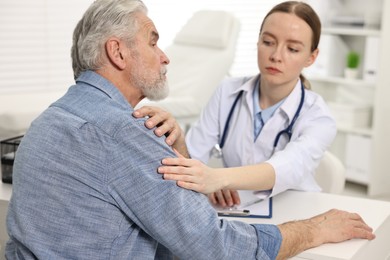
(252, 177)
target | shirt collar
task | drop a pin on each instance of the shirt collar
(104, 85)
(266, 113)
(247, 85)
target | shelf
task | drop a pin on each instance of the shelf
(343, 81)
(357, 179)
(367, 161)
(352, 31)
(355, 130)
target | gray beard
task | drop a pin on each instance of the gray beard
(152, 88)
(158, 92)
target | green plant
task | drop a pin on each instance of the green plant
(353, 60)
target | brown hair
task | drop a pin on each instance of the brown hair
(306, 13)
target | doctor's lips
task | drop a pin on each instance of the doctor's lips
(272, 70)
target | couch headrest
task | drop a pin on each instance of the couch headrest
(208, 28)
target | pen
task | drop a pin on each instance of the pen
(244, 212)
(250, 203)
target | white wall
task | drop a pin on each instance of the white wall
(36, 36)
(170, 15)
(35, 43)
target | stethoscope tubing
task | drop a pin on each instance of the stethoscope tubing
(287, 130)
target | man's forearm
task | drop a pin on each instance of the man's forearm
(297, 237)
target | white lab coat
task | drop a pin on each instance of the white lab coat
(294, 162)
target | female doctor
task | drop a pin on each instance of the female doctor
(272, 130)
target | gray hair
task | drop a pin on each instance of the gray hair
(103, 19)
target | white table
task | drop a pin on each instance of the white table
(5, 191)
(294, 205)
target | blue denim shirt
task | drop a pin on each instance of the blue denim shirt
(85, 186)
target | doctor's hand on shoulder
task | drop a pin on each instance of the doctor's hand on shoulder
(220, 184)
(189, 173)
(194, 175)
(164, 124)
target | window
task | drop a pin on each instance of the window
(169, 20)
(36, 36)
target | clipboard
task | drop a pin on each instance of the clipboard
(254, 204)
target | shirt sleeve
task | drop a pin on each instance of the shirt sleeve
(269, 239)
(181, 220)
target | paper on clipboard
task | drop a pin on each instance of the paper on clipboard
(253, 204)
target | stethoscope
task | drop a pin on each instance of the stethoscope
(217, 150)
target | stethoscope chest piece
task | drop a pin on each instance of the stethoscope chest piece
(216, 152)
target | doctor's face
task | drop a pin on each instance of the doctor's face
(284, 48)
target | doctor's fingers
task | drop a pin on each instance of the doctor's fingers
(221, 200)
(150, 111)
(179, 170)
(157, 116)
(165, 127)
(212, 198)
(189, 182)
(235, 197)
(215, 197)
(230, 197)
(192, 186)
(172, 134)
(182, 161)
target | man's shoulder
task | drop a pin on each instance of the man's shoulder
(94, 107)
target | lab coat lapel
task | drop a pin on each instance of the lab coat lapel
(278, 122)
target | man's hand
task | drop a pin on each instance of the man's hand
(166, 125)
(336, 226)
(330, 227)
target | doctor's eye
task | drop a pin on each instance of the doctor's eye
(267, 42)
(293, 50)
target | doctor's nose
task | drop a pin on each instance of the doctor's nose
(276, 55)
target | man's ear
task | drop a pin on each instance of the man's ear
(115, 52)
